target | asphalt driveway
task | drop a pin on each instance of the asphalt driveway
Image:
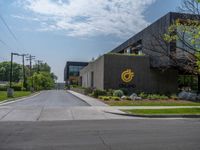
(54, 105)
(52, 98)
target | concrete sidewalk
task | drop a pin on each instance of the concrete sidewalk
(152, 107)
(31, 113)
(91, 101)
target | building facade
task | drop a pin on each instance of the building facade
(138, 63)
(72, 72)
(113, 71)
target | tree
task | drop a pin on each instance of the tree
(182, 38)
(5, 70)
(42, 81)
(41, 67)
(187, 35)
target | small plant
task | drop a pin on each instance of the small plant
(143, 95)
(118, 93)
(88, 91)
(128, 98)
(110, 92)
(163, 97)
(174, 97)
(105, 98)
(156, 97)
(116, 98)
(96, 93)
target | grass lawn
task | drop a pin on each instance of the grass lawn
(178, 111)
(3, 94)
(152, 103)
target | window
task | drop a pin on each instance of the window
(75, 70)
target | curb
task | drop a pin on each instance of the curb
(13, 100)
(155, 116)
(79, 98)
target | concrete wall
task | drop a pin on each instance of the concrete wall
(97, 67)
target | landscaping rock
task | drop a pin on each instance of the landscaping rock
(182, 95)
(198, 97)
(135, 97)
(124, 97)
(192, 96)
(187, 96)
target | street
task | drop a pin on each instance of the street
(101, 135)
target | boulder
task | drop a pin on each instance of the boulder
(198, 97)
(182, 95)
(135, 97)
(124, 97)
(187, 96)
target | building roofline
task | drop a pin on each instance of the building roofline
(170, 14)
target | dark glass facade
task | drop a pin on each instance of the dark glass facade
(72, 72)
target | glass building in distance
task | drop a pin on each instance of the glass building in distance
(72, 72)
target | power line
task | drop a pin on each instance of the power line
(10, 31)
(4, 43)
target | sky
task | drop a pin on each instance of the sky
(56, 31)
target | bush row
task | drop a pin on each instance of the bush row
(117, 94)
(15, 86)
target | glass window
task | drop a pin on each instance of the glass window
(75, 70)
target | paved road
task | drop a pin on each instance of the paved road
(53, 106)
(53, 98)
(101, 135)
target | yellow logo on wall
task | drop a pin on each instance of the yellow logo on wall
(127, 75)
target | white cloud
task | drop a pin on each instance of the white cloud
(90, 17)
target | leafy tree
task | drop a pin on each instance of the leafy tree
(41, 67)
(5, 71)
(186, 33)
(41, 81)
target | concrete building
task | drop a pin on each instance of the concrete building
(72, 71)
(138, 63)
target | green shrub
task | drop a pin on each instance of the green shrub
(163, 97)
(105, 98)
(17, 86)
(115, 98)
(96, 93)
(156, 97)
(3, 88)
(175, 97)
(110, 92)
(128, 98)
(88, 91)
(118, 93)
(143, 95)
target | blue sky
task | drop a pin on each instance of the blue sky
(57, 31)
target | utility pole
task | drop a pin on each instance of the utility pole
(10, 91)
(24, 73)
(30, 58)
(38, 65)
(11, 70)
